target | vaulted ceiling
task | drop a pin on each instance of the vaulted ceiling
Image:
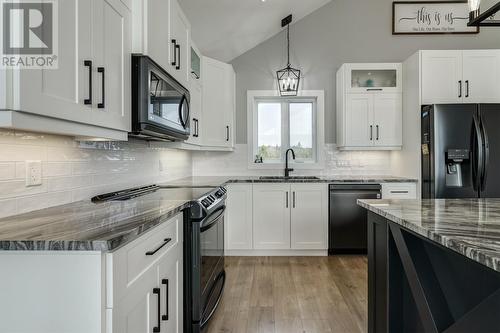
(225, 29)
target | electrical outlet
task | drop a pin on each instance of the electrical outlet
(33, 173)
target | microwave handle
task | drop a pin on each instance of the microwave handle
(183, 120)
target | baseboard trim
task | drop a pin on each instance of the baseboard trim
(276, 253)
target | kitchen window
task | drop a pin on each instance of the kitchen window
(276, 124)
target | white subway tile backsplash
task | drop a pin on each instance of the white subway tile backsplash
(73, 171)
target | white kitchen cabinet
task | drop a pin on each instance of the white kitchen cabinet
(309, 216)
(218, 103)
(171, 290)
(460, 76)
(399, 190)
(92, 35)
(387, 120)
(372, 121)
(290, 216)
(271, 216)
(481, 75)
(137, 312)
(369, 115)
(441, 76)
(162, 32)
(180, 52)
(238, 222)
(196, 106)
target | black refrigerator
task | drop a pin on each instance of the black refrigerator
(460, 148)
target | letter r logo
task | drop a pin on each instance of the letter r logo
(27, 28)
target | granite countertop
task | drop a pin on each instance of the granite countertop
(470, 227)
(205, 181)
(87, 226)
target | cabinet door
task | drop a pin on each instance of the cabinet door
(180, 61)
(214, 100)
(271, 216)
(359, 129)
(137, 311)
(388, 120)
(112, 45)
(442, 77)
(158, 42)
(170, 272)
(60, 93)
(195, 111)
(481, 76)
(238, 222)
(309, 216)
(229, 105)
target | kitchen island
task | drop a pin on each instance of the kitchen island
(433, 265)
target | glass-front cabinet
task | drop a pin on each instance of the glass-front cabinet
(383, 77)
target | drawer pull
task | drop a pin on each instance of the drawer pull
(165, 282)
(165, 242)
(399, 192)
(157, 291)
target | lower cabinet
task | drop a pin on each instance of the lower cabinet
(147, 283)
(309, 216)
(271, 216)
(277, 217)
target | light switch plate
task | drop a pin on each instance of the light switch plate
(33, 173)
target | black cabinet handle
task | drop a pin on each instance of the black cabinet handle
(178, 49)
(371, 132)
(286, 197)
(174, 43)
(103, 101)
(374, 89)
(377, 132)
(197, 128)
(88, 63)
(293, 199)
(157, 291)
(165, 316)
(197, 77)
(466, 88)
(399, 192)
(227, 133)
(165, 242)
(460, 88)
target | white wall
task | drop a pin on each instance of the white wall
(336, 163)
(72, 171)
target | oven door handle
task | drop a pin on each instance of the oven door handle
(223, 277)
(210, 222)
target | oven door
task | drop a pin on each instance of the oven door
(168, 105)
(212, 263)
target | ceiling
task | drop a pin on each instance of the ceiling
(225, 29)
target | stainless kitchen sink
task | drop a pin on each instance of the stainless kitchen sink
(289, 178)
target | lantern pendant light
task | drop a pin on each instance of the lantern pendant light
(288, 77)
(486, 18)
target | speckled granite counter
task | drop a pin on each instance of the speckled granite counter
(85, 226)
(217, 181)
(470, 227)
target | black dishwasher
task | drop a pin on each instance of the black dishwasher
(347, 227)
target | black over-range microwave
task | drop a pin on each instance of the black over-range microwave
(160, 104)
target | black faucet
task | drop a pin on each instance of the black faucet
(287, 169)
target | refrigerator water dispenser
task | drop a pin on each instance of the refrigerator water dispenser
(454, 160)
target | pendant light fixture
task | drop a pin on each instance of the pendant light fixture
(288, 77)
(484, 19)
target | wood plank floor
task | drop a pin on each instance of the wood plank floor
(293, 294)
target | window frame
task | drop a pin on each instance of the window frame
(314, 96)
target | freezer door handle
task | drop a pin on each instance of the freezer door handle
(477, 153)
(486, 149)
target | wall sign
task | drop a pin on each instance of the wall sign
(431, 17)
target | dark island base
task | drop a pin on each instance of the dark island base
(416, 285)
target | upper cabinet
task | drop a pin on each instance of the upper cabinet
(468, 76)
(369, 107)
(218, 103)
(161, 31)
(88, 94)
